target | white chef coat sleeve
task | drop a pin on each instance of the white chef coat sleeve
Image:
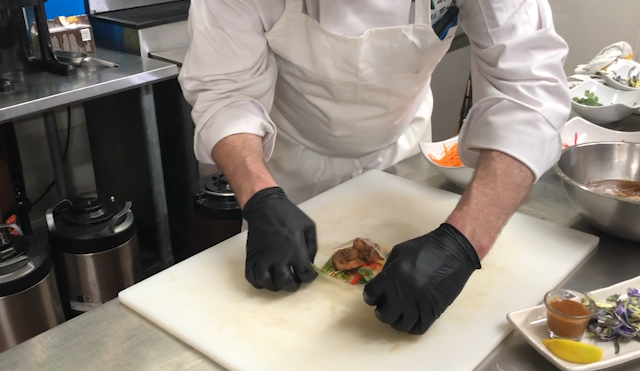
(520, 91)
(228, 75)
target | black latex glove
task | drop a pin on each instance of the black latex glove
(421, 278)
(281, 242)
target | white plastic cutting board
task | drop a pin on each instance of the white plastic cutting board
(206, 302)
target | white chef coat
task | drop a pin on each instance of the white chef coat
(520, 91)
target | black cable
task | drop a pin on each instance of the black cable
(64, 159)
(467, 103)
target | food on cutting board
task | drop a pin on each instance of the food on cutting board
(573, 351)
(627, 189)
(618, 318)
(449, 157)
(590, 99)
(357, 264)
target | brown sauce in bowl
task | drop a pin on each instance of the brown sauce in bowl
(626, 189)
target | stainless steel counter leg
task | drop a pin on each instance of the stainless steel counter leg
(51, 128)
(157, 176)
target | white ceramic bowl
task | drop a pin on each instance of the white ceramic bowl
(616, 104)
(621, 69)
(578, 131)
(460, 176)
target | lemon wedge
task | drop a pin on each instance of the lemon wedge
(573, 351)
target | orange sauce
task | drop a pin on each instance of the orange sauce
(563, 325)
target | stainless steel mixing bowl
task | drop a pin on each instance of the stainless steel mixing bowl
(587, 162)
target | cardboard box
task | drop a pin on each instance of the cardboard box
(72, 34)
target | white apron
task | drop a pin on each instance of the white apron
(344, 105)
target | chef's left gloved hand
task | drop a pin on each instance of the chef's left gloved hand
(421, 278)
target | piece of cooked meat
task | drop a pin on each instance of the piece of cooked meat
(346, 259)
(361, 245)
(373, 257)
(366, 250)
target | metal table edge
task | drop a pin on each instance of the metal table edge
(79, 95)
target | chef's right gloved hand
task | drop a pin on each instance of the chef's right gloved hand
(281, 242)
(421, 278)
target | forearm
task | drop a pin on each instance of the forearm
(240, 158)
(499, 185)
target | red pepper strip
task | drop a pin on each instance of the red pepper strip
(356, 278)
(575, 140)
(12, 220)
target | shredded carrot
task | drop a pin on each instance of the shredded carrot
(450, 157)
(575, 140)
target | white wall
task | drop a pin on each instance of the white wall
(590, 25)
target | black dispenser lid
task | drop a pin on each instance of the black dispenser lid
(86, 225)
(216, 200)
(24, 261)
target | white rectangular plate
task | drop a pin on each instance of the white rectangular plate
(532, 324)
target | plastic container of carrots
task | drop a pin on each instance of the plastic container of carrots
(449, 156)
(443, 157)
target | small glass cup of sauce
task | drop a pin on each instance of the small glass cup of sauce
(567, 317)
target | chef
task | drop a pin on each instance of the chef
(293, 97)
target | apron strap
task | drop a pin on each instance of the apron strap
(422, 12)
(294, 5)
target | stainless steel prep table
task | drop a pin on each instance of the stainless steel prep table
(114, 338)
(42, 92)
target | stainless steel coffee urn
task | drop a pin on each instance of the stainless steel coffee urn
(29, 299)
(217, 214)
(95, 250)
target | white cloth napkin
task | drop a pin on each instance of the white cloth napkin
(607, 57)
